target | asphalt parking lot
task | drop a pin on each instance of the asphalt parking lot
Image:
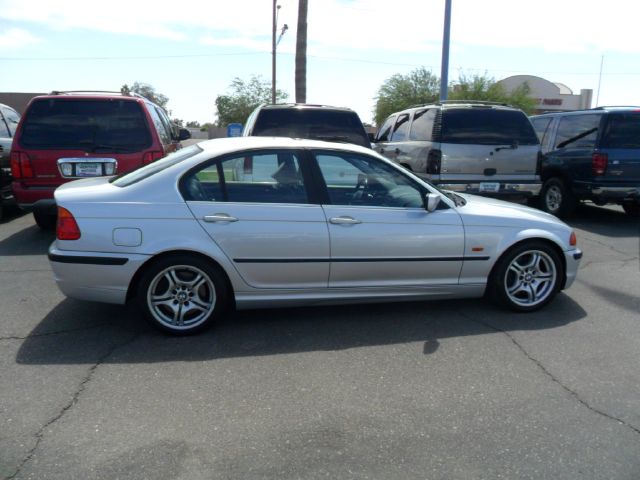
(437, 390)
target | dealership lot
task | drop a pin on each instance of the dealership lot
(418, 390)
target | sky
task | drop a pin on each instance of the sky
(192, 51)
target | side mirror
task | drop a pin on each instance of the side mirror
(431, 201)
(184, 134)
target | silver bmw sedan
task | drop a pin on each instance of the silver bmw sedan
(257, 222)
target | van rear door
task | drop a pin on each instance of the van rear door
(621, 143)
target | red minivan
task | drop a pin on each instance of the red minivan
(65, 136)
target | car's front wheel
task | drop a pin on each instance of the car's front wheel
(527, 277)
(182, 294)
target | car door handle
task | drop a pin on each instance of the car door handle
(381, 150)
(397, 150)
(344, 221)
(219, 217)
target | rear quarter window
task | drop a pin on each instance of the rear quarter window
(487, 126)
(622, 131)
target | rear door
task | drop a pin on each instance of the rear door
(486, 144)
(255, 207)
(620, 141)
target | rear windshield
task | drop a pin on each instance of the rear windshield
(622, 131)
(89, 125)
(487, 126)
(332, 126)
(129, 178)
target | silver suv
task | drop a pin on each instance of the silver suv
(483, 148)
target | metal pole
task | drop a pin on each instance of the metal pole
(444, 73)
(273, 55)
(599, 81)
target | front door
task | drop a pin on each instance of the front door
(381, 235)
(255, 207)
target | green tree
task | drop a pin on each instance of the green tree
(484, 88)
(147, 91)
(402, 91)
(193, 124)
(243, 99)
(178, 121)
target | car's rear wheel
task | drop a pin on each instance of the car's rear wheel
(44, 220)
(632, 209)
(556, 198)
(527, 277)
(182, 294)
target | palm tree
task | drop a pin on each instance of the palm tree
(301, 53)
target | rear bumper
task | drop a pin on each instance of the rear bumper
(616, 193)
(26, 197)
(572, 261)
(94, 276)
(507, 189)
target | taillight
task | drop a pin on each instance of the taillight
(67, 228)
(573, 241)
(599, 162)
(434, 161)
(20, 165)
(152, 156)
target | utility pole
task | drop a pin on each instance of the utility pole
(273, 52)
(444, 73)
(301, 53)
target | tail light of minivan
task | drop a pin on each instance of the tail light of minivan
(434, 161)
(21, 165)
(152, 156)
(599, 163)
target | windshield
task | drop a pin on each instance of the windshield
(90, 125)
(147, 171)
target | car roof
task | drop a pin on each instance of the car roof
(92, 95)
(459, 104)
(219, 146)
(304, 106)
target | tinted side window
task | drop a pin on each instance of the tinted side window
(163, 132)
(577, 131)
(422, 126)
(314, 123)
(622, 131)
(487, 126)
(358, 180)
(12, 118)
(401, 129)
(90, 125)
(384, 133)
(4, 130)
(169, 127)
(267, 177)
(540, 126)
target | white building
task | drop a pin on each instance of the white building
(551, 97)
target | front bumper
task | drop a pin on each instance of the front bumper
(572, 261)
(94, 276)
(507, 189)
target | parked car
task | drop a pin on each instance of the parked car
(70, 135)
(319, 122)
(9, 119)
(590, 155)
(264, 222)
(474, 147)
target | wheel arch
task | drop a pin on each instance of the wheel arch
(132, 290)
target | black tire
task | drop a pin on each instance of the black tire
(557, 198)
(632, 209)
(190, 294)
(45, 221)
(521, 283)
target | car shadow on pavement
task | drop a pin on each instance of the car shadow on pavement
(77, 332)
(606, 221)
(10, 213)
(28, 241)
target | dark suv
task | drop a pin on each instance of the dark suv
(65, 136)
(318, 122)
(590, 155)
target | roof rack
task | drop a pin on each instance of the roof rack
(89, 92)
(602, 107)
(473, 102)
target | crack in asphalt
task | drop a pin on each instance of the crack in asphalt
(539, 364)
(613, 249)
(76, 396)
(58, 332)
